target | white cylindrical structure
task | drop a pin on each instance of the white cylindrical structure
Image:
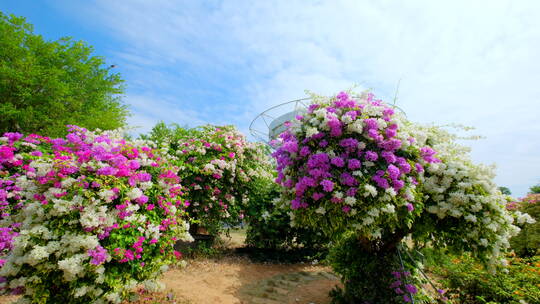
(269, 124)
(277, 126)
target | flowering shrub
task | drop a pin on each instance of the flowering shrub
(355, 163)
(349, 163)
(468, 281)
(527, 242)
(219, 167)
(85, 218)
(464, 203)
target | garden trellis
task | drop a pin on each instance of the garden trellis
(270, 123)
(267, 125)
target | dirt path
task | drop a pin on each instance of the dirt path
(238, 281)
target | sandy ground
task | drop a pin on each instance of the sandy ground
(234, 280)
(7, 299)
(237, 280)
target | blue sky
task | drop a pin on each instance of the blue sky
(475, 63)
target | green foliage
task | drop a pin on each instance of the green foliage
(163, 133)
(269, 233)
(367, 274)
(360, 272)
(468, 281)
(46, 85)
(527, 242)
(269, 225)
(204, 246)
(505, 190)
(535, 189)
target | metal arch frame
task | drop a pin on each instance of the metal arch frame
(263, 115)
(262, 136)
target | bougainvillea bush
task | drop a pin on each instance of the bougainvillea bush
(527, 242)
(354, 163)
(219, 169)
(85, 218)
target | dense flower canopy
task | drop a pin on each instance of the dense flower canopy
(85, 217)
(219, 167)
(356, 163)
(351, 161)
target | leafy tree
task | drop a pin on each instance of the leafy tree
(535, 189)
(162, 132)
(505, 190)
(45, 85)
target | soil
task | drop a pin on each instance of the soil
(236, 280)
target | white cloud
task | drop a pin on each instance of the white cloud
(470, 62)
(147, 111)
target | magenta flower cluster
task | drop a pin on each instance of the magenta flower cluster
(120, 195)
(98, 255)
(349, 147)
(401, 287)
(6, 242)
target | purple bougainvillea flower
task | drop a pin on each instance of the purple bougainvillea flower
(327, 185)
(411, 289)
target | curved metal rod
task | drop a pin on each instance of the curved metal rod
(274, 107)
(296, 102)
(403, 267)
